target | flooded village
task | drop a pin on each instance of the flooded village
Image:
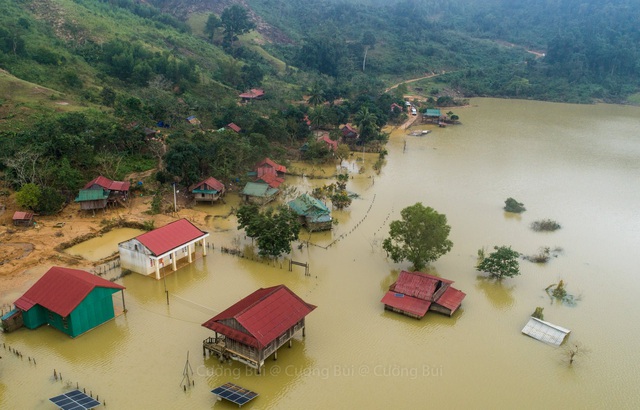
(336, 323)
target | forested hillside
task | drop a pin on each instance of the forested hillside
(106, 86)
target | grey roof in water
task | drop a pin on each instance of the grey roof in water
(545, 331)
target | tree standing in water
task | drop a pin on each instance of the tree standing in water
(420, 237)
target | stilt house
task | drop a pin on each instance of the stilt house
(209, 190)
(255, 327)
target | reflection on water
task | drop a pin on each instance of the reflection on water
(582, 172)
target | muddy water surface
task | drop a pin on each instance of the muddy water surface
(103, 246)
(578, 165)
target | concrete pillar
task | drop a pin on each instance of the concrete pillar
(157, 269)
(204, 246)
(174, 259)
(189, 253)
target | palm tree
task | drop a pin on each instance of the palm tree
(319, 116)
(367, 123)
(316, 96)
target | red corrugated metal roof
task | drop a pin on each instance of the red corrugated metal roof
(61, 290)
(170, 236)
(333, 145)
(234, 127)
(270, 163)
(106, 183)
(266, 314)
(270, 179)
(414, 306)
(22, 216)
(451, 299)
(416, 284)
(210, 182)
(253, 93)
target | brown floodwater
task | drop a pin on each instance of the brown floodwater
(576, 164)
(103, 246)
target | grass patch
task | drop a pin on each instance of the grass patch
(545, 225)
(634, 99)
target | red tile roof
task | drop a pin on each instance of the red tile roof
(268, 163)
(209, 182)
(400, 301)
(22, 216)
(265, 314)
(106, 183)
(170, 236)
(61, 290)
(253, 93)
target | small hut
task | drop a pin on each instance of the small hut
(330, 144)
(22, 218)
(415, 293)
(209, 190)
(233, 127)
(253, 94)
(268, 166)
(349, 134)
(71, 300)
(255, 327)
(313, 214)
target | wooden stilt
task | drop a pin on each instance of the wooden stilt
(275, 355)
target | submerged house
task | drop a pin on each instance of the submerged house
(71, 300)
(255, 327)
(414, 293)
(209, 190)
(152, 251)
(268, 166)
(313, 214)
(258, 193)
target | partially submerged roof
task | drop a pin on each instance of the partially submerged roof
(270, 179)
(417, 284)
(61, 290)
(265, 315)
(411, 305)
(171, 236)
(310, 207)
(209, 184)
(22, 216)
(234, 393)
(106, 183)
(545, 331)
(258, 189)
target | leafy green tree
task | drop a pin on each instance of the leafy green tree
(235, 21)
(213, 23)
(367, 123)
(420, 237)
(501, 263)
(316, 96)
(273, 229)
(50, 201)
(28, 196)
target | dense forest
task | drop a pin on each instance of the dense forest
(123, 68)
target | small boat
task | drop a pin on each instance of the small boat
(425, 132)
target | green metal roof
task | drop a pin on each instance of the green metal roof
(432, 112)
(258, 189)
(92, 195)
(311, 208)
(205, 191)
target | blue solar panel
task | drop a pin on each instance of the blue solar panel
(234, 393)
(74, 400)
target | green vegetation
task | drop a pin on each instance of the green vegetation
(501, 263)
(511, 205)
(546, 225)
(538, 313)
(420, 237)
(273, 229)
